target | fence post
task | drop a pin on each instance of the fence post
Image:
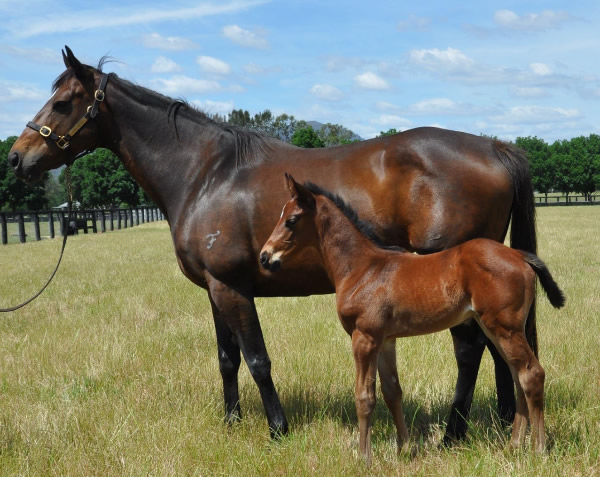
(112, 219)
(51, 225)
(21, 222)
(94, 226)
(102, 221)
(85, 229)
(36, 226)
(125, 217)
(119, 219)
(4, 228)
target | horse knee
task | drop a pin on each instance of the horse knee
(229, 364)
(260, 368)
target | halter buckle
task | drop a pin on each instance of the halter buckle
(99, 95)
(62, 143)
(45, 131)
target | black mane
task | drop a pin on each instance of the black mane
(365, 228)
(250, 146)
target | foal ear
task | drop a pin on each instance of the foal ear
(301, 194)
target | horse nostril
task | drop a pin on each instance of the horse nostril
(264, 259)
(14, 159)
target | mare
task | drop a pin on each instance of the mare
(220, 189)
(382, 294)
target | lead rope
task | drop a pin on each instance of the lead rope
(64, 243)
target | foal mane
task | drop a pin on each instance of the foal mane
(250, 146)
(365, 228)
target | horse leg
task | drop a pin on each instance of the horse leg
(365, 358)
(229, 364)
(239, 314)
(469, 344)
(504, 387)
(391, 390)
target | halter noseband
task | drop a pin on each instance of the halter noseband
(63, 142)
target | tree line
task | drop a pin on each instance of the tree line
(99, 179)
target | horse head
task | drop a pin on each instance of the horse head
(56, 136)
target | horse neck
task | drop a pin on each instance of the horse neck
(139, 132)
(343, 247)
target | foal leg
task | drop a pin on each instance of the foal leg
(365, 358)
(529, 378)
(390, 387)
(238, 311)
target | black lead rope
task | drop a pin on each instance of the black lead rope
(62, 249)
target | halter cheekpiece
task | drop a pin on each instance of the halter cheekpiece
(63, 142)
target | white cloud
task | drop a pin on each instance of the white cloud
(214, 107)
(545, 20)
(529, 92)
(245, 38)
(181, 84)
(82, 20)
(540, 68)
(449, 60)
(213, 65)
(164, 65)
(15, 92)
(392, 121)
(37, 55)
(414, 23)
(156, 40)
(371, 81)
(435, 105)
(326, 92)
(535, 114)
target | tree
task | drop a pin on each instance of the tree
(388, 132)
(100, 180)
(543, 170)
(335, 134)
(307, 137)
(14, 193)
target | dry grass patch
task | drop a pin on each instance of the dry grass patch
(113, 371)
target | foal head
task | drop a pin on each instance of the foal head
(295, 231)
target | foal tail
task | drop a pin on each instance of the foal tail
(555, 295)
(522, 228)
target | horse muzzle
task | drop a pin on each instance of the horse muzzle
(270, 261)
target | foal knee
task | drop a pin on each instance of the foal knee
(532, 380)
(228, 364)
(365, 403)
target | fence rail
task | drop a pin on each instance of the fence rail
(542, 200)
(51, 221)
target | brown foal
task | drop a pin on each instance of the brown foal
(385, 293)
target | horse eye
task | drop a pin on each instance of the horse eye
(291, 221)
(62, 107)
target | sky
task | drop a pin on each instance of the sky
(502, 68)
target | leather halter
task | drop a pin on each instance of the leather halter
(63, 142)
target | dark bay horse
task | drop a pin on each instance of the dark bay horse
(382, 294)
(220, 188)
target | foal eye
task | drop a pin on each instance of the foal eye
(62, 107)
(291, 221)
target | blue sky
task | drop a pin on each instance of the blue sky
(509, 68)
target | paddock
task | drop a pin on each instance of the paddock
(112, 371)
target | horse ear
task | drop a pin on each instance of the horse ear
(72, 62)
(303, 196)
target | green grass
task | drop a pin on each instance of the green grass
(113, 371)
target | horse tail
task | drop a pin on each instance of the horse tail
(522, 229)
(555, 295)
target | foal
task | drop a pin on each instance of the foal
(385, 293)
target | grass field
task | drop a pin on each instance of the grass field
(113, 371)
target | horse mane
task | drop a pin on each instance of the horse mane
(365, 228)
(250, 146)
